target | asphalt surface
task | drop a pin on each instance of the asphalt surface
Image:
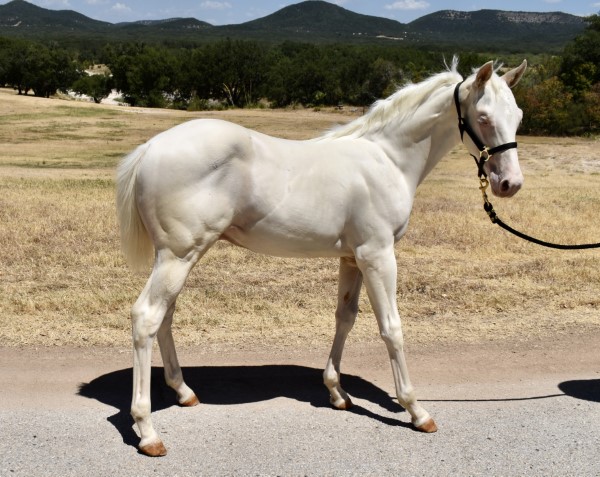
(531, 410)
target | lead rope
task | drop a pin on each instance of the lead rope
(484, 155)
(489, 209)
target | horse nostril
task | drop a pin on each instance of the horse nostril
(505, 185)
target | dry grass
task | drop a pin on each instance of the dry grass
(63, 281)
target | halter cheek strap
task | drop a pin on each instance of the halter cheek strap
(484, 152)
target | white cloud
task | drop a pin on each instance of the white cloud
(408, 5)
(212, 5)
(553, 1)
(96, 2)
(121, 8)
(56, 3)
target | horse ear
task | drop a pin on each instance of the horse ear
(484, 74)
(513, 76)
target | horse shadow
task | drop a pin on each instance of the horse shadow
(584, 389)
(230, 385)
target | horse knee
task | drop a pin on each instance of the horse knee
(330, 377)
(393, 338)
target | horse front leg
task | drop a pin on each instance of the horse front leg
(379, 270)
(350, 282)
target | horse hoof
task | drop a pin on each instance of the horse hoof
(429, 426)
(156, 449)
(192, 401)
(342, 404)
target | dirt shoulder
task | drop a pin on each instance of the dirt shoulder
(51, 377)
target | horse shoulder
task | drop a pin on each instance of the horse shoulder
(382, 198)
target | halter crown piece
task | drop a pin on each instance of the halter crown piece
(484, 151)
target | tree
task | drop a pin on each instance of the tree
(383, 79)
(145, 75)
(580, 68)
(96, 87)
(13, 64)
(547, 108)
(591, 118)
(26, 66)
(236, 69)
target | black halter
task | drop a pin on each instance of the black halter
(484, 152)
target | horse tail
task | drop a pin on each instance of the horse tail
(135, 240)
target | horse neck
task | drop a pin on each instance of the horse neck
(416, 144)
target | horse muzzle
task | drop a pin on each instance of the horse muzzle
(505, 185)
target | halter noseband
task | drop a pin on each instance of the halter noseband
(484, 152)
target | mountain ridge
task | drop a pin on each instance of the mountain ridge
(13, 13)
(549, 30)
(310, 21)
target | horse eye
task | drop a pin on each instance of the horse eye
(484, 121)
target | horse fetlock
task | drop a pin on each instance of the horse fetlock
(189, 400)
(185, 396)
(331, 377)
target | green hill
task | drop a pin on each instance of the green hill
(20, 15)
(496, 29)
(318, 19)
(310, 21)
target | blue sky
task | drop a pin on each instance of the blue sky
(222, 12)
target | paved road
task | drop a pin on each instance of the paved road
(530, 410)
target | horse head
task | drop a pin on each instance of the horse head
(490, 116)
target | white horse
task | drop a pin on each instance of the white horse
(347, 194)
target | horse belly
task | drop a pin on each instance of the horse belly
(329, 224)
(277, 238)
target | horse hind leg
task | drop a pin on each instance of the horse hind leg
(154, 305)
(173, 374)
(350, 282)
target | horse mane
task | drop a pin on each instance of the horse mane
(401, 104)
